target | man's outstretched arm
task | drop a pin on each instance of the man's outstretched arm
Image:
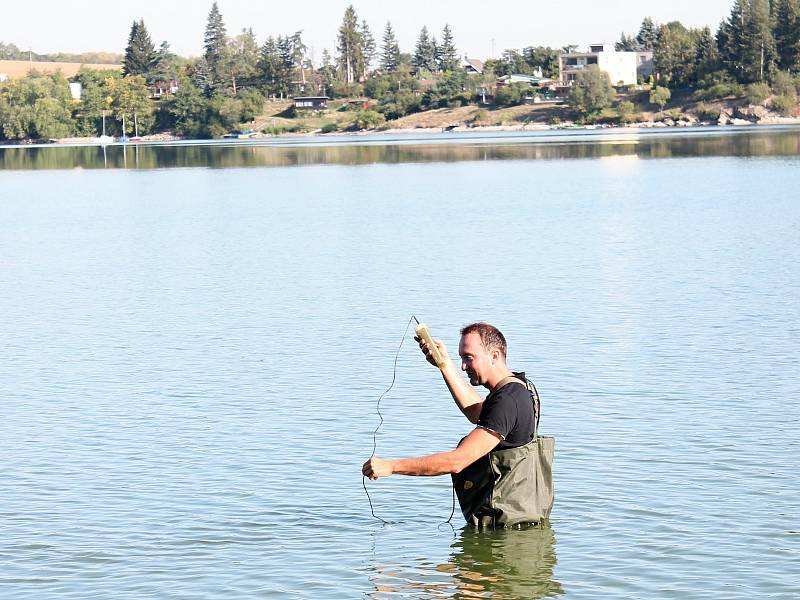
(478, 443)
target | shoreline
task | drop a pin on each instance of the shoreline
(424, 132)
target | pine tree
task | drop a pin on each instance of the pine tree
(706, 55)
(759, 56)
(349, 47)
(299, 50)
(627, 43)
(648, 35)
(164, 66)
(787, 34)
(286, 65)
(674, 55)
(269, 66)
(390, 51)
(367, 48)
(216, 46)
(730, 39)
(424, 53)
(448, 55)
(140, 54)
(327, 72)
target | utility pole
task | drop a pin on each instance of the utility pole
(492, 41)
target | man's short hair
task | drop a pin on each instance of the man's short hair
(491, 338)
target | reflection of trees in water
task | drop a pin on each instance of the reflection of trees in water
(507, 564)
(750, 143)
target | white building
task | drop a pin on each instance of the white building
(620, 66)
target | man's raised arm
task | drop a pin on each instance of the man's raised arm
(465, 397)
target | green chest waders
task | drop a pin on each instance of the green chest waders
(511, 486)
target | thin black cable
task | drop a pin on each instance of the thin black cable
(380, 416)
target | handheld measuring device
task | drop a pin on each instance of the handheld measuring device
(424, 333)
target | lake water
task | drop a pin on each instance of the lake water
(193, 347)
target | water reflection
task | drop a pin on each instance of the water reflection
(506, 564)
(762, 141)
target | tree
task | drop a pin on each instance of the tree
(746, 43)
(216, 47)
(286, 65)
(626, 111)
(241, 59)
(368, 48)
(706, 54)
(131, 100)
(674, 56)
(424, 58)
(327, 72)
(269, 66)
(96, 97)
(627, 43)
(140, 54)
(591, 91)
(759, 49)
(165, 66)
(390, 50)
(188, 110)
(648, 35)
(278, 63)
(36, 106)
(787, 34)
(448, 55)
(730, 39)
(349, 47)
(543, 58)
(660, 96)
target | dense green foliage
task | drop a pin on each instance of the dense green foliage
(592, 91)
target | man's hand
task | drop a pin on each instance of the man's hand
(377, 467)
(423, 345)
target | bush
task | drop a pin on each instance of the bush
(377, 87)
(660, 96)
(329, 128)
(592, 91)
(707, 113)
(626, 112)
(785, 84)
(252, 104)
(511, 95)
(368, 119)
(757, 93)
(346, 90)
(784, 104)
(400, 104)
(283, 128)
(719, 91)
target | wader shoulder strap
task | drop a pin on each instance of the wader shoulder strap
(534, 398)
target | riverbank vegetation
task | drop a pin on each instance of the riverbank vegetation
(747, 69)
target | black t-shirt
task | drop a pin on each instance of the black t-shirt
(509, 412)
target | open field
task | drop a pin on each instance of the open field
(16, 69)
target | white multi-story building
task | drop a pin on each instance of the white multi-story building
(620, 66)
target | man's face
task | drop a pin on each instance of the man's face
(475, 360)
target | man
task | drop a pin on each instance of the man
(505, 420)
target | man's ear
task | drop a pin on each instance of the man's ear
(495, 355)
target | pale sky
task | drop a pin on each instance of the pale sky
(103, 25)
